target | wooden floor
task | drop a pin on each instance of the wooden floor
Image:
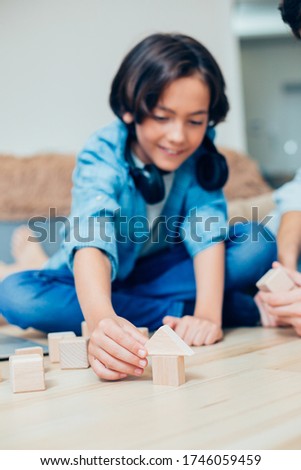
(244, 393)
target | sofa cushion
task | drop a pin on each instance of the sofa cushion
(245, 179)
(32, 185)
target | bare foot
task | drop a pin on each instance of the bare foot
(26, 252)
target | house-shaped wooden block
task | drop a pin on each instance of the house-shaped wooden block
(167, 350)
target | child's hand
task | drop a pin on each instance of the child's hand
(116, 349)
(195, 331)
(282, 308)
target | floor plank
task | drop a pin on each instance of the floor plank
(243, 393)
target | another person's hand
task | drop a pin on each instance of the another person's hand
(116, 349)
(285, 307)
(195, 331)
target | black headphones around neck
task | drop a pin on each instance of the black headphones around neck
(211, 171)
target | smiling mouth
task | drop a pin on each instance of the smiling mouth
(170, 151)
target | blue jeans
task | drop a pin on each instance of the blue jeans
(162, 284)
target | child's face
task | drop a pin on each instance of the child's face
(177, 126)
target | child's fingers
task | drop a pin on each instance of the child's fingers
(266, 319)
(171, 321)
(104, 373)
(276, 264)
(185, 327)
(115, 350)
(182, 327)
(283, 322)
(116, 365)
(200, 337)
(123, 338)
(296, 323)
(135, 333)
(213, 336)
(189, 336)
(280, 298)
(207, 333)
(191, 331)
(291, 310)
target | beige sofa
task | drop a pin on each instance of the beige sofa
(31, 185)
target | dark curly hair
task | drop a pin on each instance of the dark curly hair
(156, 62)
(291, 14)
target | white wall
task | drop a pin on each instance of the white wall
(258, 18)
(272, 84)
(58, 58)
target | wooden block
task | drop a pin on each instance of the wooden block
(168, 370)
(74, 353)
(166, 342)
(34, 350)
(275, 280)
(144, 331)
(26, 373)
(53, 343)
(85, 330)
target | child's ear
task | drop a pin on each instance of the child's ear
(128, 118)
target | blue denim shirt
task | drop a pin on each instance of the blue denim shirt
(109, 213)
(287, 198)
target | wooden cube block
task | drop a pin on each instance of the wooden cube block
(74, 353)
(275, 280)
(168, 370)
(85, 330)
(33, 350)
(53, 344)
(26, 373)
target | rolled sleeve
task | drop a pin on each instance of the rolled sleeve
(95, 194)
(205, 223)
(92, 231)
(288, 197)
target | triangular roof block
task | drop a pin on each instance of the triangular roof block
(165, 342)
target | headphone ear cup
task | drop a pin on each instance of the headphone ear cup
(149, 181)
(212, 171)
